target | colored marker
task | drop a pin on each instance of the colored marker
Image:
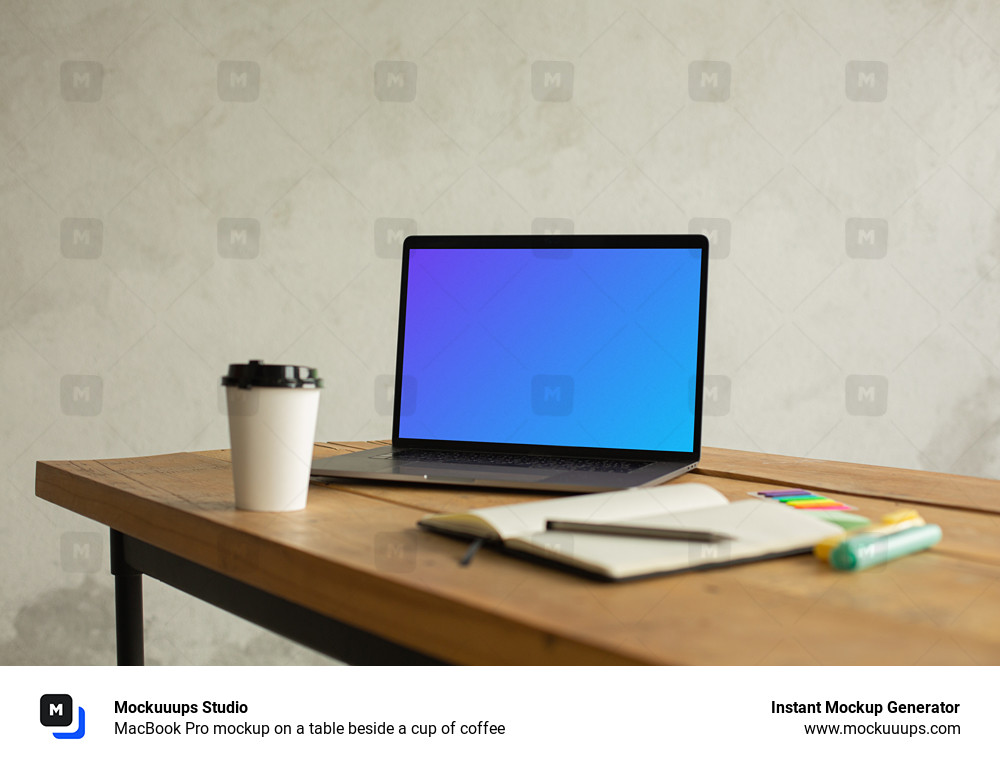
(864, 551)
(889, 523)
(818, 504)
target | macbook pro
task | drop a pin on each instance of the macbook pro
(567, 363)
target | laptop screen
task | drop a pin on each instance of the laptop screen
(590, 347)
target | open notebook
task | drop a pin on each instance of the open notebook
(760, 529)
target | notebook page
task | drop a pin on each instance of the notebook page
(759, 527)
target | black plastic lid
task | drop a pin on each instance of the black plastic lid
(256, 373)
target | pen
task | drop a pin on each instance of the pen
(471, 551)
(660, 533)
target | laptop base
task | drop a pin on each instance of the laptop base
(383, 464)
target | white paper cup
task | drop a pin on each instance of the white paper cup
(272, 425)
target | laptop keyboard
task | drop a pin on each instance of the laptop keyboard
(548, 462)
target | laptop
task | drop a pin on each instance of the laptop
(569, 363)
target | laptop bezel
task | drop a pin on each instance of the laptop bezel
(561, 241)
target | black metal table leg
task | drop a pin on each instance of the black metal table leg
(132, 558)
(128, 605)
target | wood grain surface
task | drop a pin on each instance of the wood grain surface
(355, 554)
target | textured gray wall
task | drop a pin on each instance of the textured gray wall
(185, 184)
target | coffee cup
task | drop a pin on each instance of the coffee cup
(272, 425)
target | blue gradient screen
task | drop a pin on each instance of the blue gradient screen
(579, 348)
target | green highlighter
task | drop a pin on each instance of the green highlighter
(863, 551)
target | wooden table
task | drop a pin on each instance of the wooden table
(352, 576)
